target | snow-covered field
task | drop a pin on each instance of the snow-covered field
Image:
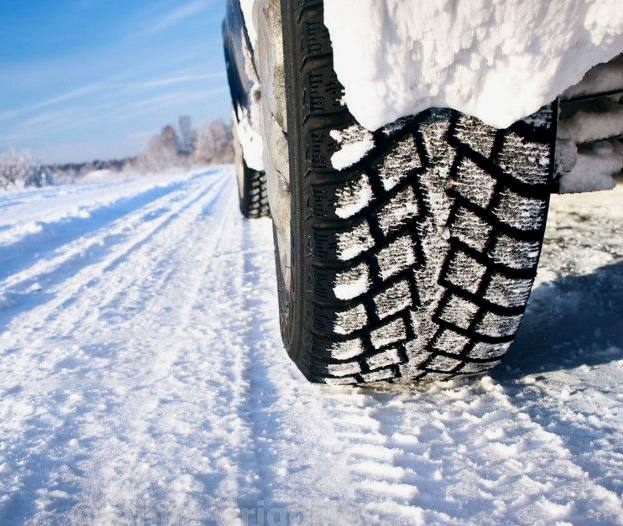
(142, 379)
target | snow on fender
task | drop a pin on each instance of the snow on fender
(499, 61)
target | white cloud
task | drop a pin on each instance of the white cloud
(109, 89)
(181, 78)
(173, 17)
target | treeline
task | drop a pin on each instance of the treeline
(183, 147)
(186, 146)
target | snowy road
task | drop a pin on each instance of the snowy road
(142, 379)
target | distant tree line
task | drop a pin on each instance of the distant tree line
(171, 148)
(211, 144)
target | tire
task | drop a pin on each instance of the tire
(252, 192)
(416, 262)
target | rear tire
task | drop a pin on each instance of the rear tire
(252, 192)
(417, 261)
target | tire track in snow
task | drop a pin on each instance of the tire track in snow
(160, 392)
(291, 472)
(52, 265)
(73, 235)
(57, 437)
(87, 274)
(430, 455)
(155, 409)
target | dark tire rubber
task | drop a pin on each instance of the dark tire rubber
(417, 261)
(252, 192)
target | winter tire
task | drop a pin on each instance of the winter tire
(417, 261)
(252, 193)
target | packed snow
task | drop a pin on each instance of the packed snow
(249, 138)
(496, 60)
(354, 142)
(589, 147)
(144, 380)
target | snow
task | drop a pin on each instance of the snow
(601, 78)
(498, 61)
(250, 138)
(354, 142)
(145, 381)
(594, 168)
(592, 124)
(589, 150)
(249, 22)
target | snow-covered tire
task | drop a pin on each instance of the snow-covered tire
(252, 192)
(417, 261)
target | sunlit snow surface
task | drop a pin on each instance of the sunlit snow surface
(143, 380)
(499, 61)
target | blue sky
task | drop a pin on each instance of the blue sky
(85, 79)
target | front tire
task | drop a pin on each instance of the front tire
(417, 261)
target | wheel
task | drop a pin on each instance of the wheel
(416, 261)
(252, 193)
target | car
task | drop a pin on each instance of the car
(406, 250)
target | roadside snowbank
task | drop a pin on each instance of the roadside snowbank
(497, 60)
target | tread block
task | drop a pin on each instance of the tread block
(343, 369)
(514, 253)
(389, 333)
(524, 160)
(400, 209)
(451, 342)
(471, 229)
(465, 272)
(353, 197)
(383, 359)
(322, 92)
(350, 320)
(434, 131)
(346, 349)
(486, 351)
(459, 311)
(508, 292)
(396, 257)
(523, 213)
(353, 242)
(398, 163)
(498, 325)
(473, 183)
(352, 282)
(393, 299)
(477, 367)
(472, 133)
(378, 376)
(344, 380)
(444, 363)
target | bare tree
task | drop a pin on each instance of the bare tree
(188, 135)
(162, 150)
(19, 169)
(214, 144)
